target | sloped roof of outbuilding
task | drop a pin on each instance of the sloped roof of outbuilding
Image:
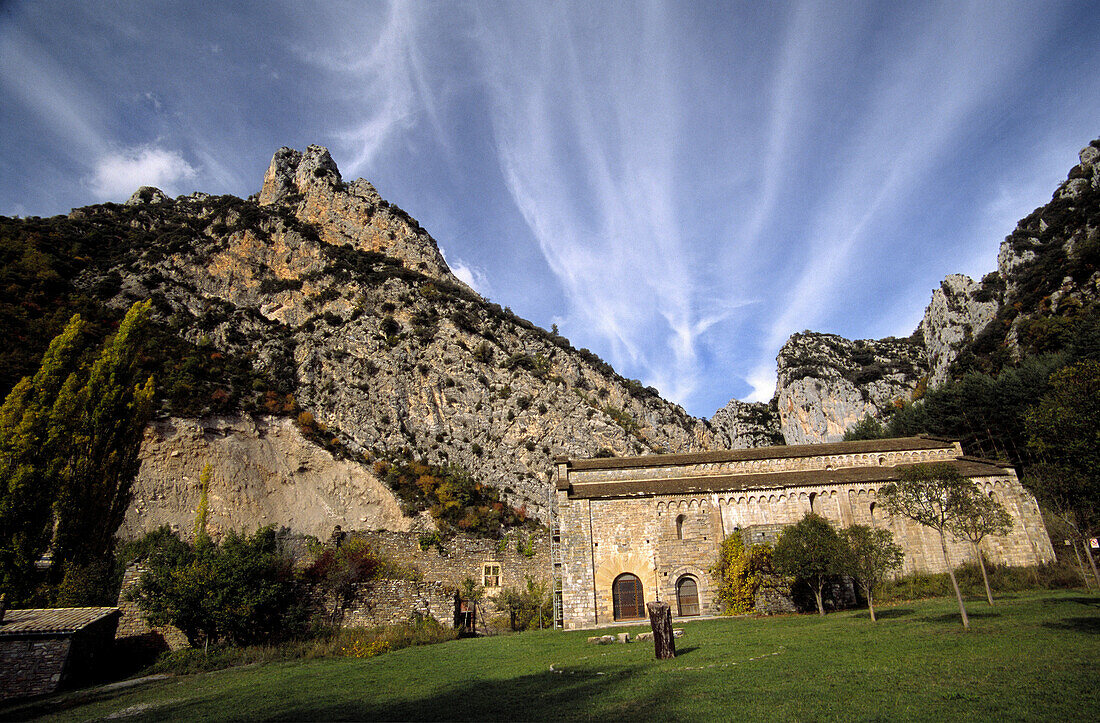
(968, 467)
(41, 621)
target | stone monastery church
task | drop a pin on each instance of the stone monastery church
(634, 529)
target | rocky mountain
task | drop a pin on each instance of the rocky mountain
(341, 314)
(1046, 284)
(310, 333)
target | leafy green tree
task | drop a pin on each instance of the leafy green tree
(810, 550)
(866, 428)
(242, 590)
(1064, 429)
(978, 517)
(28, 474)
(933, 495)
(96, 427)
(870, 554)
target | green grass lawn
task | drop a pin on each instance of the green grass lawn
(1034, 656)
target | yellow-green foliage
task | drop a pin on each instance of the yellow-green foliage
(740, 573)
(204, 504)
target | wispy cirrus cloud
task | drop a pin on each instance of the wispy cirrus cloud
(374, 62)
(587, 126)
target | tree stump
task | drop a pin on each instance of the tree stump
(660, 619)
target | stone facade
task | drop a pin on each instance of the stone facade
(662, 518)
(134, 629)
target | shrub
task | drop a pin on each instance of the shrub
(528, 607)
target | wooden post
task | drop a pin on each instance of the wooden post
(660, 619)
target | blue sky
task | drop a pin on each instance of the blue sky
(678, 186)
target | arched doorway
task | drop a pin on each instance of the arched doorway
(687, 596)
(627, 597)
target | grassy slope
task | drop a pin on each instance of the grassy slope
(1034, 656)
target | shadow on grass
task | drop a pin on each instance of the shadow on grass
(1092, 601)
(884, 614)
(53, 703)
(954, 617)
(568, 695)
(1077, 625)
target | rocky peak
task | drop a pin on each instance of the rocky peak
(147, 195)
(748, 424)
(960, 309)
(348, 214)
(294, 173)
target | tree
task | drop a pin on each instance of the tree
(527, 607)
(870, 554)
(1062, 490)
(978, 517)
(933, 495)
(28, 476)
(337, 572)
(96, 428)
(1064, 429)
(242, 590)
(740, 573)
(810, 550)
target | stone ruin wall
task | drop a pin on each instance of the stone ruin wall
(463, 557)
(388, 602)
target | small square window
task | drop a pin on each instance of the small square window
(491, 574)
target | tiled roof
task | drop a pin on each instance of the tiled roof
(765, 480)
(782, 452)
(34, 621)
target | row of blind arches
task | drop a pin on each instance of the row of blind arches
(628, 597)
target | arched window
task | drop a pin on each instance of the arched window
(680, 527)
(687, 596)
(813, 496)
(627, 598)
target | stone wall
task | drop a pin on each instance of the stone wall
(132, 626)
(386, 602)
(1026, 543)
(32, 666)
(458, 558)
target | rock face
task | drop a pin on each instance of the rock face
(959, 311)
(748, 424)
(348, 304)
(263, 471)
(1047, 279)
(348, 214)
(827, 383)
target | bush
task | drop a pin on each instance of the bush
(243, 590)
(527, 608)
(1002, 578)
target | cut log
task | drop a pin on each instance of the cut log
(660, 619)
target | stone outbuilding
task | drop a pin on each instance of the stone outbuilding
(632, 529)
(43, 649)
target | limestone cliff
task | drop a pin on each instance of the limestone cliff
(347, 303)
(1047, 283)
(827, 383)
(262, 471)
